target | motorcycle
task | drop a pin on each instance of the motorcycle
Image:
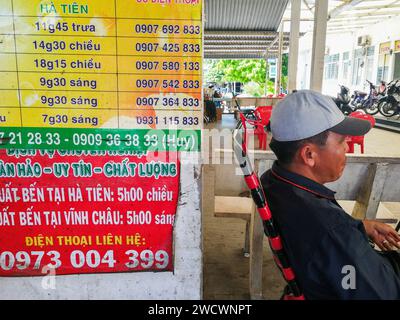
(357, 99)
(389, 105)
(371, 103)
(343, 100)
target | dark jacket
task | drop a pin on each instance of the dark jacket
(325, 245)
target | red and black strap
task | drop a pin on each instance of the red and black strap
(270, 230)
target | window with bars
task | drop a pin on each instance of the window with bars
(331, 67)
(369, 63)
(383, 67)
(357, 66)
(346, 64)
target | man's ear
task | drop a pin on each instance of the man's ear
(307, 154)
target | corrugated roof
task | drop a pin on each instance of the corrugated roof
(254, 15)
(242, 28)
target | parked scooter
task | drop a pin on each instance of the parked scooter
(357, 99)
(343, 100)
(371, 103)
(389, 105)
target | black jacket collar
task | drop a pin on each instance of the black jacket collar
(301, 182)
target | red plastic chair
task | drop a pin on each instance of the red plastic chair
(258, 130)
(263, 115)
(359, 140)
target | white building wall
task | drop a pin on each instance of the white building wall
(387, 30)
(334, 45)
(304, 62)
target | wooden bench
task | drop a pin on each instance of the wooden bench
(236, 207)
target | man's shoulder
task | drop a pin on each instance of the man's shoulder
(292, 202)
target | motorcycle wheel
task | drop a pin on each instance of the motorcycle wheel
(372, 108)
(347, 110)
(387, 109)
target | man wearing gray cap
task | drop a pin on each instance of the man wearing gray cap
(329, 250)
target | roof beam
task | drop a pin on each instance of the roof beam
(372, 14)
(344, 29)
(343, 7)
(350, 23)
(378, 6)
(349, 18)
(377, 11)
(308, 6)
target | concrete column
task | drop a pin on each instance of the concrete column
(294, 44)
(279, 62)
(318, 49)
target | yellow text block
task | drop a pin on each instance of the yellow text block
(160, 119)
(145, 100)
(5, 7)
(96, 27)
(69, 99)
(9, 98)
(10, 117)
(64, 118)
(67, 63)
(159, 28)
(7, 45)
(61, 45)
(68, 81)
(8, 80)
(6, 24)
(8, 62)
(88, 8)
(161, 83)
(160, 9)
(159, 65)
(159, 47)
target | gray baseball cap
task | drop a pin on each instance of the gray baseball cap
(306, 113)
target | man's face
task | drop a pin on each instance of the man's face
(331, 158)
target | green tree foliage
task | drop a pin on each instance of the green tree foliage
(248, 71)
(285, 64)
(212, 71)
